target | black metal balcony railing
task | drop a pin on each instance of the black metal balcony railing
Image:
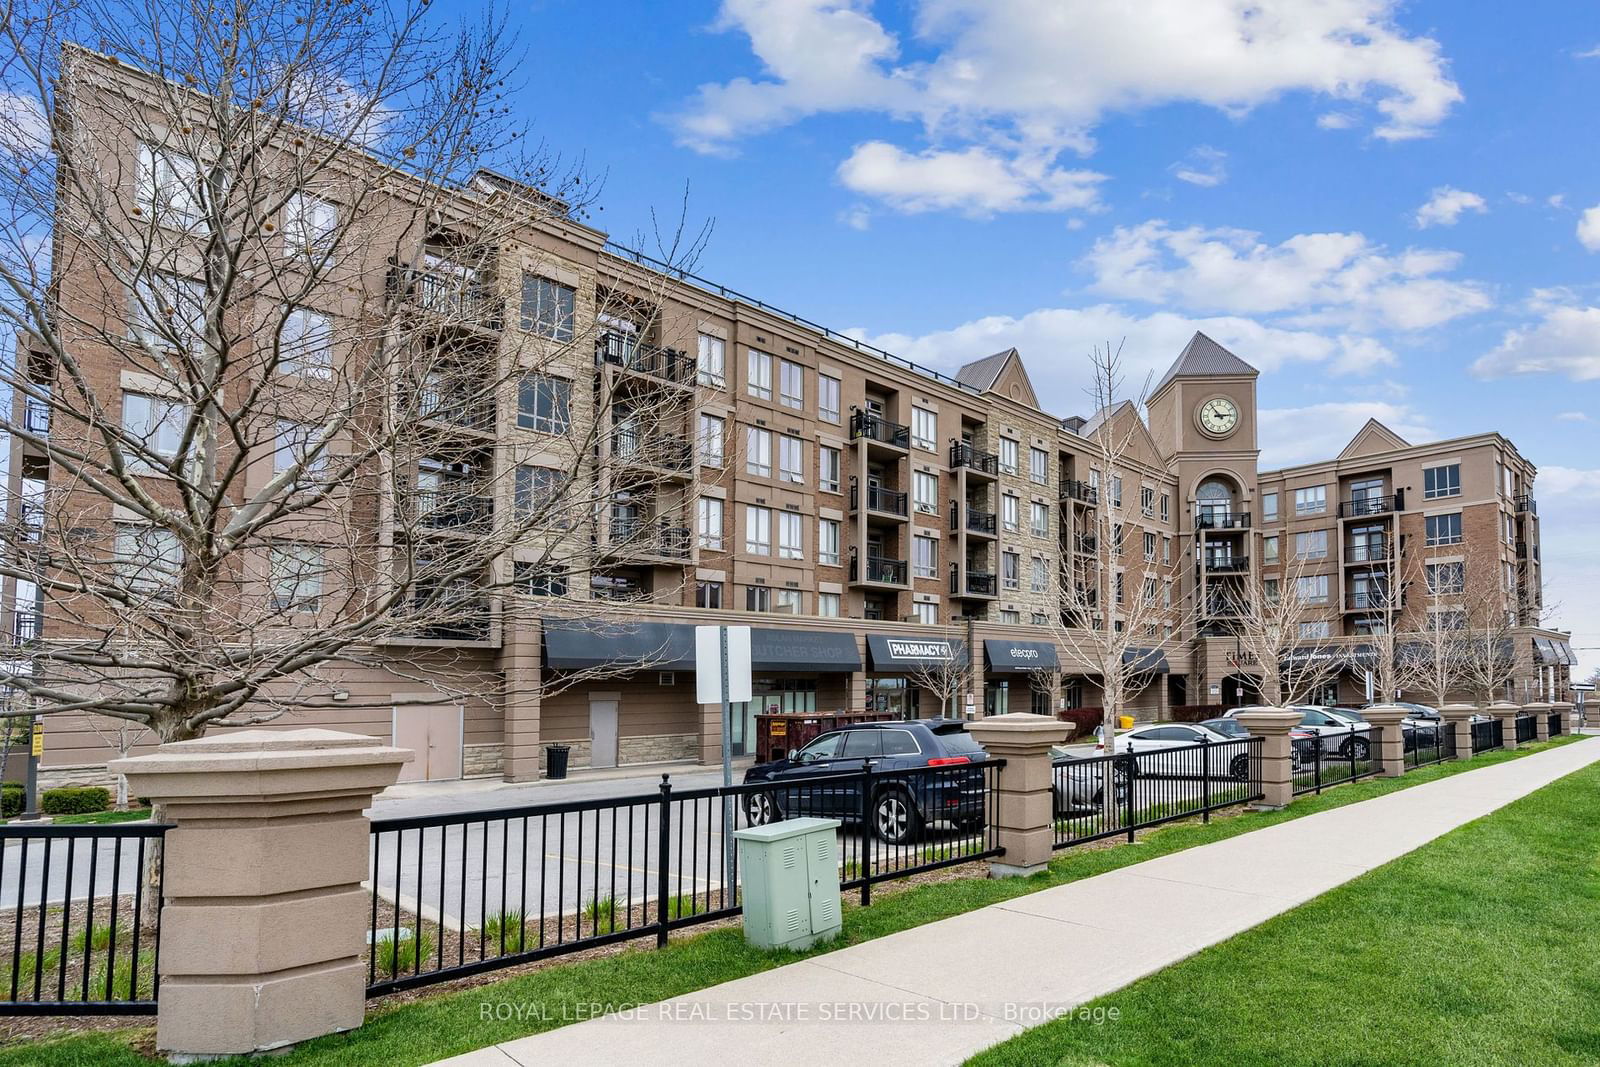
(1222, 520)
(457, 408)
(1371, 505)
(1527, 505)
(30, 521)
(469, 621)
(36, 416)
(1373, 551)
(1080, 491)
(24, 627)
(452, 509)
(879, 499)
(651, 537)
(964, 455)
(978, 583)
(663, 451)
(458, 296)
(1085, 543)
(1227, 564)
(982, 522)
(881, 570)
(1527, 551)
(872, 427)
(1371, 600)
(626, 351)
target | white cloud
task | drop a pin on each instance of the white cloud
(1565, 341)
(1319, 431)
(1589, 53)
(1573, 416)
(1558, 200)
(1336, 120)
(1569, 510)
(857, 217)
(1446, 206)
(1204, 166)
(974, 181)
(1318, 278)
(1589, 229)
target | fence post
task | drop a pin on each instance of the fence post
(1389, 747)
(1507, 714)
(1541, 719)
(1277, 759)
(1022, 806)
(265, 917)
(663, 858)
(1205, 779)
(865, 857)
(1459, 719)
(1563, 708)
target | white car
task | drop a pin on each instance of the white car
(1172, 748)
(1331, 725)
(1077, 783)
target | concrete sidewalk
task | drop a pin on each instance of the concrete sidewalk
(941, 992)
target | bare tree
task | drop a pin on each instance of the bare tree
(1488, 638)
(948, 678)
(119, 735)
(1267, 620)
(266, 271)
(1431, 639)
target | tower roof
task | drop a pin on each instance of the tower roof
(1203, 357)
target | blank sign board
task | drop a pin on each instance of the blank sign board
(708, 664)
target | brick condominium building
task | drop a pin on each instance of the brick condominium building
(865, 515)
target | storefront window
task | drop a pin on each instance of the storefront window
(773, 696)
(892, 695)
(997, 698)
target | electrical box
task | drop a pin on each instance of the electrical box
(790, 871)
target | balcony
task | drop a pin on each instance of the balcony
(452, 510)
(876, 430)
(25, 627)
(1227, 564)
(1082, 492)
(1526, 551)
(657, 539)
(973, 584)
(979, 523)
(1371, 551)
(1222, 520)
(465, 410)
(964, 456)
(1371, 600)
(881, 502)
(880, 570)
(1085, 544)
(459, 614)
(36, 416)
(1365, 506)
(30, 521)
(455, 297)
(662, 452)
(1526, 505)
(626, 351)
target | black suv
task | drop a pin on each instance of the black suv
(824, 778)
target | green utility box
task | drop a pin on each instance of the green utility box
(790, 871)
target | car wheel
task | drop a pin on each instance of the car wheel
(1359, 745)
(760, 809)
(895, 819)
(1240, 767)
(1058, 802)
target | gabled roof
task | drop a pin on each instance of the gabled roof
(987, 375)
(1373, 437)
(1092, 424)
(981, 374)
(1203, 357)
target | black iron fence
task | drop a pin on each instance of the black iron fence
(75, 899)
(1487, 734)
(1334, 757)
(463, 893)
(1429, 743)
(1555, 723)
(1096, 797)
(1527, 728)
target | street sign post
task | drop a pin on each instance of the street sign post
(722, 676)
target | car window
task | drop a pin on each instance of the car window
(899, 743)
(1182, 733)
(958, 742)
(1315, 718)
(824, 747)
(859, 743)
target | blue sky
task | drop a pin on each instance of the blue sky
(1381, 205)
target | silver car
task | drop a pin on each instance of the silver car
(1331, 725)
(1077, 783)
(1173, 748)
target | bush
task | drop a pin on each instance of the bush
(10, 800)
(74, 800)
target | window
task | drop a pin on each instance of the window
(708, 595)
(540, 580)
(1147, 500)
(1040, 516)
(308, 226)
(1116, 537)
(1010, 570)
(758, 377)
(1166, 593)
(758, 530)
(828, 605)
(924, 429)
(294, 449)
(1040, 619)
(927, 614)
(1039, 466)
(294, 573)
(168, 310)
(1509, 526)
(305, 344)
(1441, 481)
(155, 423)
(1269, 507)
(169, 187)
(1008, 456)
(1010, 616)
(828, 469)
(1149, 547)
(1116, 490)
(1166, 507)
(1150, 591)
(1312, 544)
(708, 522)
(1166, 549)
(827, 398)
(1269, 549)
(757, 598)
(1270, 589)
(1119, 584)
(711, 364)
(791, 384)
(544, 404)
(1313, 630)
(536, 487)
(1443, 529)
(148, 558)
(1312, 589)
(1009, 516)
(548, 307)
(1312, 500)
(758, 451)
(1039, 576)
(789, 602)
(828, 542)
(925, 492)
(790, 465)
(790, 545)
(924, 557)
(711, 440)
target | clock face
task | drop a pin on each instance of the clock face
(1219, 416)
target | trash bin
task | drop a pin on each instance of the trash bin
(555, 760)
(1124, 722)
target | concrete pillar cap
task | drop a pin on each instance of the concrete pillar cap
(1385, 714)
(1503, 707)
(1018, 728)
(234, 766)
(1269, 721)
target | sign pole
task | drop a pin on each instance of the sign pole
(30, 790)
(727, 765)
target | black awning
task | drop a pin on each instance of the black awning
(913, 653)
(577, 644)
(1569, 657)
(802, 650)
(1018, 657)
(1545, 652)
(1147, 660)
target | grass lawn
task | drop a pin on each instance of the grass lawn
(102, 818)
(421, 1031)
(1478, 948)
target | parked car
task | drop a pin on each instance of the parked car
(900, 807)
(1180, 753)
(1330, 725)
(1077, 783)
(1423, 725)
(1301, 742)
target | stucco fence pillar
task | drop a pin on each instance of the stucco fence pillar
(1023, 802)
(1540, 710)
(1459, 718)
(1277, 756)
(1389, 747)
(264, 919)
(1507, 714)
(1563, 708)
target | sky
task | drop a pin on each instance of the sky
(1392, 210)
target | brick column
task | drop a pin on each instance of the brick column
(711, 733)
(265, 917)
(523, 660)
(1277, 758)
(856, 687)
(1023, 808)
(1564, 709)
(1459, 719)
(1507, 714)
(976, 681)
(1541, 719)
(1390, 744)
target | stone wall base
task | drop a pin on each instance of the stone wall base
(80, 775)
(482, 761)
(645, 748)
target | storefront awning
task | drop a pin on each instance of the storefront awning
(1545, 652)
(891, 654)
(1018, 657)
(802, 650)
(1569, 657)
(1147, 660)
(579, 644)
